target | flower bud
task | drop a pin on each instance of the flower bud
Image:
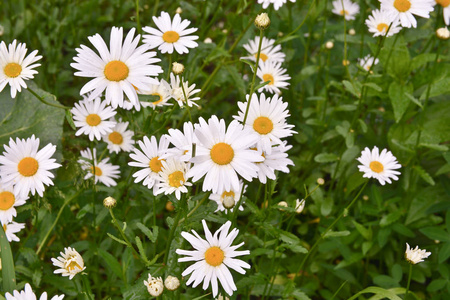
(207, 40)
(228, 202)
(443, 33)
(177, 68)
(262, 21)
(179, 10)
(171, 283)
(154, 285)
(320, 181)
(352, 31)
(109, 202)
(283, 204)
(329, 45)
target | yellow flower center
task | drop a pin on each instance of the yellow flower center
(376, 166)
(227, 194)
(344, 12)
(116, 70)
(72, 265)
(214, 256)
(263, 125)
(93, 119)
(402, 5)
(115, 138)
(383, 27)
(171, 36)
(7, 200)
(28, 166)
(12, 70)
(443, 3)
(98, 171)
(176, 179)
(261, 56)
(155, 164)
(222, 153)
(268, 77)
(160, 98)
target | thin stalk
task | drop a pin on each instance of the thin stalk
(409, 281)
(185, 98)
(301, 24)
(86, 287)
(194, 209)
(339, 289)
(45, 102)
(138, 22)
(122, 233)
(169, 69)
(174, 227)
(155, 7)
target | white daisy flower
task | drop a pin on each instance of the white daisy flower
(228, 197)
(28, 294)
(275, 74)
(378, 24)
(122, 69)
(345, 8)
(15, 68)
(415, 255)
(120, 138)
(70, 263)
(11, 228)
(367, 62)
(149, 160)
(177, 91)
(445, 9)
(155, 286)
(269, 52)
(222, 154)
(172, 178)
(404, 10)
(92, 118)
(267, 118)
(277, 160)
(26, 167)
(105, 172)
(183, 142)
(377, 165)
(9, 200)
(276, 3)
(170, 35)
(161, 90)
(213, 257)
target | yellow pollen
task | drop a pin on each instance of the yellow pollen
(7, 200)
(222, 154)
(28, 166)
(115, 138)
(160, 98)
(176, 179)
(155, 164)
(376, 166)
(268, 77)
(12, 70)
(443, 3)
(402, 5)
(344, 12)
(263, 125)
(383, 27)
(98, 171)
(214, 256)
(93, 119)
(262, 56)
(227, 194)
(116, 70)
(72, 265)
(171, 36)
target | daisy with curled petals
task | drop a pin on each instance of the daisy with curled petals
(177, 91)
(92, 118)
(379, 22)
(275, 74)
(172, 178)
(28, 294)
(380, 166)
(122, 69)
(15, 67)
(104, 171)
(277, 160)
(445, 9)
(183, 142)
(119, 139)
(276, 3)
(27, 168)
(226, 198)
(404, 10)
(162, 93)
(70, 263)
(170, 35)
(213, 257)
(223, 153)
(367, 62)
(9, 199)
(269, 52)
(149, 159)
(416, 255)
(11, 228)
(267, 118)
(345, 8)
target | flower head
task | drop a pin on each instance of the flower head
(9, 200)
(262, 21)
(70, 263)
(171, 283)
(276, 3)
(415, 255)
(404, 10)
(103, 171)
(368, 62)
(162, 92)
(228, 199)
(379, 22)
(154, 285)
(269, 51)
(27, 294)
(179, 95)
(119, 138)
(377, 165)
(172, 178)
(445, 9)
(345, 8)
(275, 74)
(11, 228)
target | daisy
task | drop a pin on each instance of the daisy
(224, 199)
(15, 67)
(155, 286)
(378, 24)
(122, 69)
(104, 171)
(70, 263)
(445, 9)
(27, 168)
(177, 91)
(28, 294)
(172, 178)
(92, 118)
(120, 138)
(415, 255)
(222, 154)
(149, 160)
(275, 74)
(170, 35)
(276, 3)
(403, 10)
(183, 142)
(367, 62)
(162, 91)
(269, 52)
(267, 118)
(377, 165)
(277, 160)
(11, 228)
(345, 8)
(213, 257)
(9, 200)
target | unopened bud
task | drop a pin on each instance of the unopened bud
(171, 283)
(299, 205)
(155, 286)
(345, 62)
(443, 33)
(179, 10)
(320, 181)
(329, 45)
(352, 31)
(207, 40)
(262, 21)
(283, 204)
(169, 206)
(228, 202)
(109, 202)
(177, 68)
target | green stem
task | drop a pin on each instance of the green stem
(301, 24)
(45, 102)
(409, 281)
(174, 227)
(339, 289)
(138, 22)
(155, 7)
(86, 288)
(122, 233)
(185, 98)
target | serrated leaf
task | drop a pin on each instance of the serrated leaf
(111, 262)
(424, 175)
(374, 86)
(286, 39)
(332, 233)
(117, 239)
(141, 249)
(366, 233)
(399, 100)
(378, 291)
(325, 157)
(152, 235)
(354, 88)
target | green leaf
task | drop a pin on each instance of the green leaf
(436, 233)
(69, 119)
(261, 85)
(374, 86)
(111, 262)
(286, 39)
(390, 218)
(8, 273)
(366, 233)
(152, 235)
(414, 100)
(117, 239)
(354, 88)
(141, 249)
(440, 87)
(378, 291)
(288, 237)
(434, 146)
(325, 157)
(332, 233)
(422, 59)
(399, 100)
(425, 176)
(436, 285)
(444, 252)
(237, 78)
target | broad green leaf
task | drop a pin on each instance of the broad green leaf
(111, 262)
(8, 273)
(436, 233)
(444, 252)
(354, 89)
(422, 59)
(378, 291)
(374, 86)
(390, 218)
(424, 174)
(437, 285)
(440, 87)
(399, 100)
(325, 157)
(366, 233)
